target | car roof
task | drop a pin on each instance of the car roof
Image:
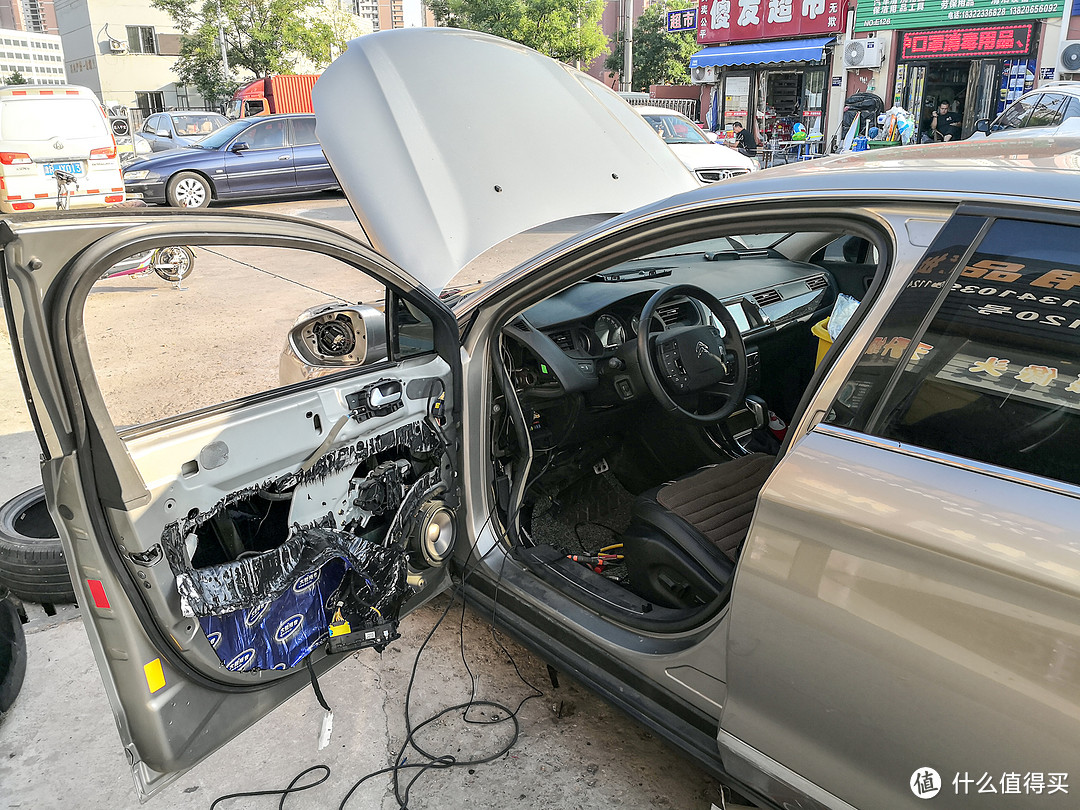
(648, 109)
(1068, 87)
(1045, 169)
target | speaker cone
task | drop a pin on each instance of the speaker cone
(435, 532)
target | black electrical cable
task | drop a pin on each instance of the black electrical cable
(290, 789)
(315, 685)
(440, 762)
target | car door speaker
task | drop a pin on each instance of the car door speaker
(434, 532)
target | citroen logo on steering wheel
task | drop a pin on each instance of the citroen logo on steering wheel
(701, 349)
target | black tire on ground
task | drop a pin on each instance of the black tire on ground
(188, 190)
(12, 654)
(32, 564)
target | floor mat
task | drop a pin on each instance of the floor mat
(582, 518)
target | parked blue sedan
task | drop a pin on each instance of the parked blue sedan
(253, 157)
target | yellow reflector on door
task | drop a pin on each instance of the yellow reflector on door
(155, 676)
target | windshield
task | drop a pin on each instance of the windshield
(41, 119)
(675, 129)
(218, 138)
(196, 125)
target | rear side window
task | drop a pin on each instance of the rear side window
(980, 356)
(303, 132)
(44, 119)
(1072, 108)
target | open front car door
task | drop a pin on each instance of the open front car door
(251, 475)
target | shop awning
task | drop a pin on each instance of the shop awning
(762, 53)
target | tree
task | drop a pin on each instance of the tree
(658, 57)
(16, 78)
(568, 30)
(262, 37)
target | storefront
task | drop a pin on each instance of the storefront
(977, 69)
(763, 77)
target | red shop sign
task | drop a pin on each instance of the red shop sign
(721, 21)
(951, 43)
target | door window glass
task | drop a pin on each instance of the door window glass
(1072, 108)
(174, 332)
(303, 132)
(266, 135)
(1016, 116)
(980, 356)
(1048, 112)
(736, 101)
(151, 124)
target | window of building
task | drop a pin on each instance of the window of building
(150, 102)
(979, 357)
(141, 39)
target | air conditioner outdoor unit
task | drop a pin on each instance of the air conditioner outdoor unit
(117, 46)
(705, 74)
(864, 53)
(1069, 58)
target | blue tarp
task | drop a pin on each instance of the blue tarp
(763, 53)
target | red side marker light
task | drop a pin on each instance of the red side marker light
(97, 591)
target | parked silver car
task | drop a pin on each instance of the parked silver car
(1051, 109)
(838, 578)
(173, 130)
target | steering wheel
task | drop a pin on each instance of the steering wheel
(690, 361)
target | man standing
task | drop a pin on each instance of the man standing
(745, 141)
(944, 125)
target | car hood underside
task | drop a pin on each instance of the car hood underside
(447, 142)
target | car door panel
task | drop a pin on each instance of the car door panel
(866, 573)
(131, 507)
(898, 608)
(261, 168)
(310, 164)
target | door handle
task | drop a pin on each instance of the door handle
(385, 394)
(283, 157)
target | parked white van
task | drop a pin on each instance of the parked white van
(50, 129)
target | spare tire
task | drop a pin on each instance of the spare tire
(32, 564)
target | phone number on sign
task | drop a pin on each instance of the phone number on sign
(1003, 11)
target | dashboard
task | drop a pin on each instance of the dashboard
(586, 335)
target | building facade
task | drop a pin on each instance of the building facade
(773, 65)
(38, 58)
(35, 16)
(124, 50)
(977, 56)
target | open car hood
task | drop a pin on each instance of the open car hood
(447, 142)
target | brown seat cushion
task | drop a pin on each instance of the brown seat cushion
(719, 501)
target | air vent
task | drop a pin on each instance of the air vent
(520, 325)
(817, 283)
(670, 315)
(766, 297)
(564, 340)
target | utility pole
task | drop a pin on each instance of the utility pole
(628, 46)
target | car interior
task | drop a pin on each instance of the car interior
(643, 408)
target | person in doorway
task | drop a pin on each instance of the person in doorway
(745, 142)
(943, 124)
